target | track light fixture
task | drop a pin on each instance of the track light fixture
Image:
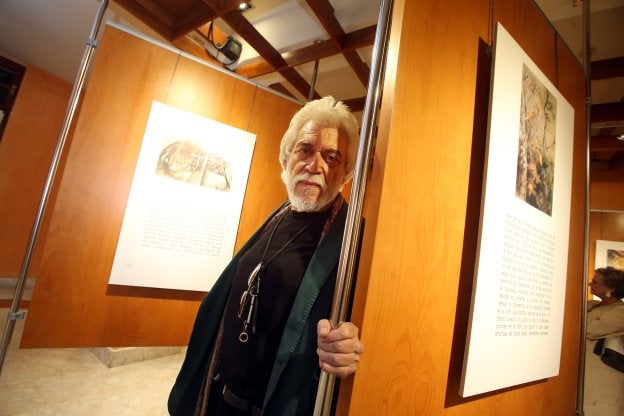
(227, 53)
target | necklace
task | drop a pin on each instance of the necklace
(248, 305)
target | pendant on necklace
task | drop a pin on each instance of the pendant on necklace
(250, 296)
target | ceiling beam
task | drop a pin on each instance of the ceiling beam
(608, 143)
(324, 49)
(222, 7)
(246, 31)
(199, 14)
(279, 87)
(325, 14)
(607, 68)
(192, 18)
(607, 113)
(600, 175)
(355, 104)
(150, 13)
(617, 162)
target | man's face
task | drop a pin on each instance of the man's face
(315, 169)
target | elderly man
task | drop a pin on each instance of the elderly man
(260, 338)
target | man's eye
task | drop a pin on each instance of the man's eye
(332, 158)
(303, 151)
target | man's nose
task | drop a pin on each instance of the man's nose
(316, 163)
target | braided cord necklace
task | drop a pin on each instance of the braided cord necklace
(248, 305)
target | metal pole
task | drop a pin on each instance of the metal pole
(587, 63)
(69, 114)
(313, 83)
(348, 253)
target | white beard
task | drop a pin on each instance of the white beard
(301, 204)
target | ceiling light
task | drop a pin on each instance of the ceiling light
(227, 52)
(246, 5)
(621, 137)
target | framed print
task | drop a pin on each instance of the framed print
(185, 202)
(516, 315)
(609, 254)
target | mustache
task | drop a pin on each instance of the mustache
(315, 179)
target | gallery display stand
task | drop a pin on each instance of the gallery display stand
(14, 313)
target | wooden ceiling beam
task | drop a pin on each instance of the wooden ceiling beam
(293, 58)
(355, 104)
(607, 68)
(202, 13)
(325, 13)
(608, 143)
(222, 7)
(607, 113)
(324, 49)
(279, 87)
(193, 18)
(603, 175)
(617, 162)
(359, 66)
(151, 14)
(358, 38)
(246, 30)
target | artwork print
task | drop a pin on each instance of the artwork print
(189, 162)
(519, 286)
(615, 258)
(609, 254)
(536, 143)
(184, 206)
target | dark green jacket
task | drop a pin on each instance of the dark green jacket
(294, 378)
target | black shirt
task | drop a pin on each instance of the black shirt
(246, 366)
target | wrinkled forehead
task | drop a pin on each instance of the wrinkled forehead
(316, 133)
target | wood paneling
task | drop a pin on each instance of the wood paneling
(571, 82)
(26, 151)
(529, 28)
(607, 195)
(412, 291)
(420, 279)
(128, 74)
(269, 121)
(603, 226)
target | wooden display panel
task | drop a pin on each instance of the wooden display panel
(421, 272)
(603, 226)
(607, 195)
(72, 304)
(571, 82)
(26, 150)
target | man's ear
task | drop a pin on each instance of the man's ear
(347, 178)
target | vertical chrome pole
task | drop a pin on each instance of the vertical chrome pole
(313, 83)
(69, 115)
(348, 253)
(587, 64)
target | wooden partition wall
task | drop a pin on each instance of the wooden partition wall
(25, 155)
(606, 217)
(419, 254)
(604, 225)
(72, 303)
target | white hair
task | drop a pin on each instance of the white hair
(326, 111)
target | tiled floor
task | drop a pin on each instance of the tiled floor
(71, 381)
